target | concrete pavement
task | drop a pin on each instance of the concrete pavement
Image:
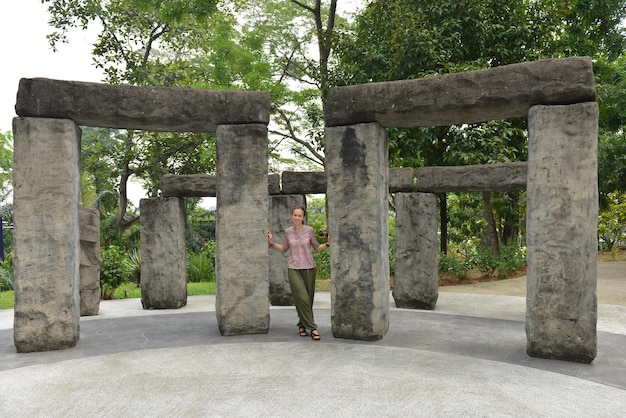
(466, 358)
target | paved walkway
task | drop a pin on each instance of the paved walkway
(466, 358)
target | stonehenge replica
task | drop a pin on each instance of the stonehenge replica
(556, 95)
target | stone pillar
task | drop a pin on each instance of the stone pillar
(279, 220)
(357, 191)
(242, 299)
(163, 253)
(561, 313)
(415, 280)
(89, 231)
(46, 177)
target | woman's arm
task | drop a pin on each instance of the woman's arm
(273, 244)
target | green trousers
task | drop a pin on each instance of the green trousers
(302, 283)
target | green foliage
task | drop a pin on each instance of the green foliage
(455, 263)
(6, 164)
(111, 235)
(6, 273)
(134, 265)
(115, 269)
(127, 291)
(511, 258)
(200, 226)
(201, 265)
(612, 222)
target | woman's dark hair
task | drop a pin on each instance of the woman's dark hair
(303, 209)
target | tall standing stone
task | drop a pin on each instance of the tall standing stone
(415, 280)
(281, 207)
(163, 255)
(242, 300)
(357, 190)
(562, 190)
(89, 230)
(46, 175)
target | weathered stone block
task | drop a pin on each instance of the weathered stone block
(466, 97)
(163, 253)
(357, 167)
(295, 182)
(46, 177)
(280, 219)
(191, 185)
(132, 107)
(500, 177)
(561, 312)
(89, 230)
(273, 183)
(401, 179)
(242, 300)
(415, 280)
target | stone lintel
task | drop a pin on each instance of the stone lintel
(298, 182)
(499, 177)
(466, 97)
(188, 185)
(302, 182)
(134, 107)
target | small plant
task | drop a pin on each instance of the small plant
(6, 273)
(201, 265)
(114, 270)
(454, 264)
(134, 265)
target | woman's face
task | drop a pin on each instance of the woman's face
(297, 217)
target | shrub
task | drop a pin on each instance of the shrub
(114, 270)
(6, 273)
(454, 264)
(134, 265)
(201, 265)
(512, 257)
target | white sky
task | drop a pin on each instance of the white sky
(27, 54)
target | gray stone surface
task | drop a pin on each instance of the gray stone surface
(242, 300)
(89, 232)
(357, 167)
(298, 182)
(561, 312)
(190, 185)
(279, 220)
(133, 107)
(401, 179)
(499, 177)
(309, 182)
(203, 185)
(273, 183)
(163, 253)
(46, 178)
(466, 97)
(415, 280)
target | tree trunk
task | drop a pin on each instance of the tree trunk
(510, 231)
(491, 225)
(443, 216)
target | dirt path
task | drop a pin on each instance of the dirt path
(611, 285)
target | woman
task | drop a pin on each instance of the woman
(301, 272)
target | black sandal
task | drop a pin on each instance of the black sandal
(302, 332)
(316, 336)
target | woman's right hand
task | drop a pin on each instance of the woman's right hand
(269, 237)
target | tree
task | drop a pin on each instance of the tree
(6, 165)
(403, 39)
(170, 43)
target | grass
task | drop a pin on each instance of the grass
(126, 291)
